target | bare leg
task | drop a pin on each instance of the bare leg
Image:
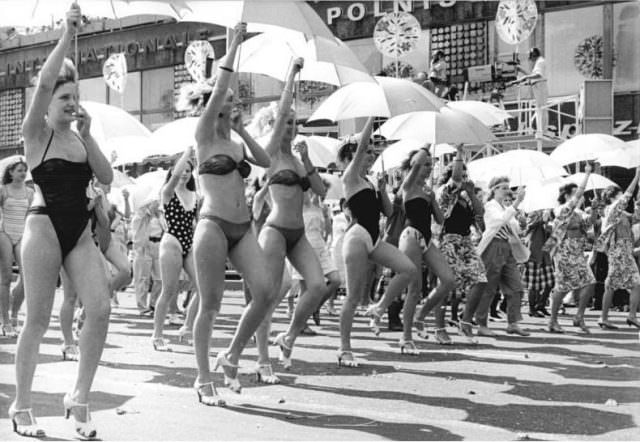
(67, 309)
(6, 264)
(170, 266)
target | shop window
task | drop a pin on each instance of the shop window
(130, 100)
(157, 92)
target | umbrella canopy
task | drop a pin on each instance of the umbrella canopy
(335, 190)
(388, 98)
(489, 114)
(521, 166)
(34, 13)
(128, 150)
(120, 179)
(628, 157)
(393, 156)
(596, 181)
(147, 188)
(446, 126)
(322, 150)
(176, 136)
(585, 147)
(541, 196)
(260, 15)
(110, 122)
(325, 60)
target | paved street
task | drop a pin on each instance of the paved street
(541, 387)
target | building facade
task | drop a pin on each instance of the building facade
(579, 39)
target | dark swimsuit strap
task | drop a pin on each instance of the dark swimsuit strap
(46, 150)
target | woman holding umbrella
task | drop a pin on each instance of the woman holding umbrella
(362, 240)
(617, 241)
(224, 229)
(283, 234)
(57, 232)
(15, 199)
(566, 246)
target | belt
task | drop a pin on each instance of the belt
(155, 238)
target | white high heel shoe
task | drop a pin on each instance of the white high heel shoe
(284, 360)
(31, 430)
(86, 430)
(233, 383)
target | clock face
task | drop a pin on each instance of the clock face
(516, 19)
(195, 59)
(588, 57)
(396, 34)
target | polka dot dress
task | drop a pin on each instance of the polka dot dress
(180, 223)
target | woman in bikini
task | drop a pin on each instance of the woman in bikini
(15, 199)
(58, 234)
(362, 241)
(179, 199)
(282, 235)
(224, 230)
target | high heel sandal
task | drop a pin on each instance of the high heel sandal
(284, 360)
(466, 330)
(233, 383)
(31, 430)
(422, 329)
(579, 322)
(442, 337)
(211, 401)
(554, 327)
(70, 352)
(607, 325)
(9, 331)
(408, 348)
(159, 344)
(264, 375)
(346, 359)
(86, 430)
(633, 322)
(374, 322)
(185, 336)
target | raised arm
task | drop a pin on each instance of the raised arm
(418, 160)
(573, 203)
(354, 168)
(312, 173)
(284, 107)
(33, 126)
(170, 187)
(205, 130)
(258, 156)
(98, 162)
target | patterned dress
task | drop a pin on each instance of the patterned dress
(456, 243)
(572, 270)
(537, 273)
(617, 242)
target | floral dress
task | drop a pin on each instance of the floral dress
(572, 270)
(616, 241)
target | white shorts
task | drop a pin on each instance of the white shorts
(357, 231)
(326, 263)
(414, 233)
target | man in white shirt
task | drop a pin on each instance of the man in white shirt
(537, 79)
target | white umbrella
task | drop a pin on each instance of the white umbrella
(540, 196)
(390, 97)
(335, 191)
(260, 15)
(110, 122)
(585, 147)
(34, 13)
(446, 126)
(120, 179)
(521, 166)
(322, 150)
(128, 150)
(147, 188)
(325, 60)
(596, 181)
(489, 114)
(628, 157)
(174, 137)
(396, 153)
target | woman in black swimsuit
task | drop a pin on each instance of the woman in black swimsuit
(179, 199)
(362, 241)
(224, 230)
(282, 235)
(57, 232)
